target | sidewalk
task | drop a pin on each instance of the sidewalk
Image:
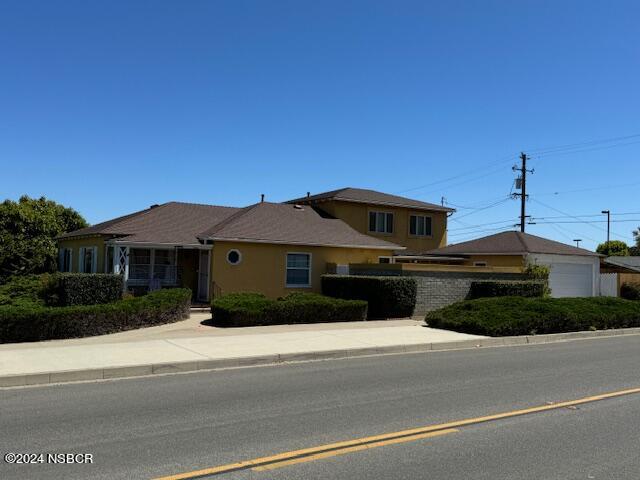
(191, 345)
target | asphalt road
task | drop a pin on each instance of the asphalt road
(150, 427)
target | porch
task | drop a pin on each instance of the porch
(148, 268)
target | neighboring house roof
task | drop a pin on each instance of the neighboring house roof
(511, 243)
(632, 263)
(282, 223)
(170, 223)
(360, 195)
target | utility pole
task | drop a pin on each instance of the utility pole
(523, 189)
(608, 213)
(577, 240)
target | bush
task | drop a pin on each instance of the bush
(630, 291)
(493, 288)
(29, 323)
(87, 288)
(28, 290)
(388, 297)
(61, 289)
(251, 309)
(524, 316)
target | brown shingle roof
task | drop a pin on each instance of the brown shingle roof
(288, 224)
(360, 195)
(170, 223)
(511, 243)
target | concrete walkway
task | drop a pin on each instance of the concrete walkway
(194, 345)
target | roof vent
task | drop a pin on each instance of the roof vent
(262, 198)
(298, 207)
(154, 206)
(308, 194)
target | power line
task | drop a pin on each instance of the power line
(573, 216)
(470, 227)
(506, 199)
(575, 145)
(588, 222)
(571, 152)
(590, 189)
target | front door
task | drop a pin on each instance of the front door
(203, 276)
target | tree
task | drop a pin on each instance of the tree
(28, 231)
(636, 235)
(613, 248)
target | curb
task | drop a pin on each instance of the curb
(45, 378)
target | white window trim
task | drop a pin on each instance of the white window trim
(386, 212)
(239, 257)
(417, 235)
(286, 268)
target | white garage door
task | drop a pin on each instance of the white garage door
(571, 280)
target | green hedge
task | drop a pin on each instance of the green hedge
(525, 316)
(388, 297)
(35, 323)
(494, 288)
(630, 291)
(61, 289)
(251, 309)
(87, 288)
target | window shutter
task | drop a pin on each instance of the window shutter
(389, 222)
(61, 259)
(94, 260)
(427, 226)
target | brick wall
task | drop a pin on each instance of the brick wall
(439, 289)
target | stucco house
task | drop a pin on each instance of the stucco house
(273, 248)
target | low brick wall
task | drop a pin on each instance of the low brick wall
(439, 289)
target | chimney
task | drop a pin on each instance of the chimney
(308, 194)
(262, 198)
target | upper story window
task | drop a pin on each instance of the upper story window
(298, 270)
(420, 225)
(381, 222)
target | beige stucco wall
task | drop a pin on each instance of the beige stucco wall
(76, 243)
(497, 260)
(357, 216)
(263, 266)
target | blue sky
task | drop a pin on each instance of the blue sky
(110, 107)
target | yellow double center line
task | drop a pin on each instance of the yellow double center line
(356, 445)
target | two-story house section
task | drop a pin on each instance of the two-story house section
(417, 225)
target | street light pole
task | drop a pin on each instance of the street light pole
(577, 240)
(608, 213)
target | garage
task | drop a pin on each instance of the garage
(571, 280)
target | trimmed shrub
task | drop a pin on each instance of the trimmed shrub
(525, 316)
(87, 288)
(35, 323)
(252, 309)
(388, 297)
(27, 290)
(492, 288)
(630, 291)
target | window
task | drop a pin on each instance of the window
(420, 225)
(479, 264)
(381, 222)
(298, 270)
(64, 259)
(108, 260)
(384, 259)
(234, 257)
(87, 260)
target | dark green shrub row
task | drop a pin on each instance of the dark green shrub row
(61, 289)
(87, 288)
(35, 323)
(525, 316)
(630, 291)
(27, 290)
(494, 288)
(388, 297)
(250, 309)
